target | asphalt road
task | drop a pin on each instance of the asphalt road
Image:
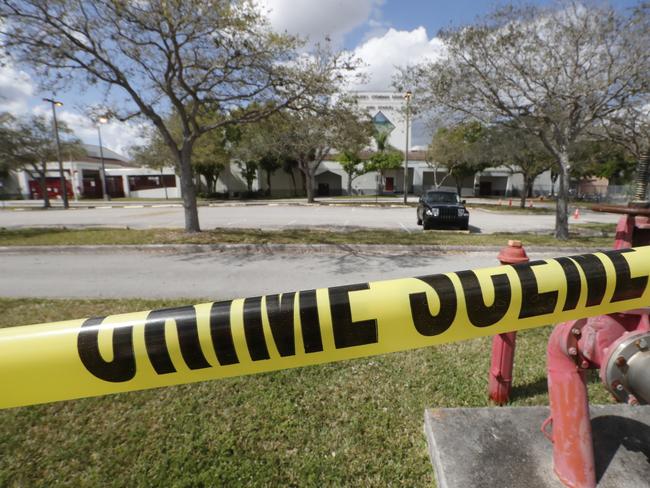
(277, 216)
(115, 273)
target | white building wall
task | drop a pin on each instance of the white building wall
(393, 106)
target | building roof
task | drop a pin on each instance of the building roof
(92, 150)
(110, 157)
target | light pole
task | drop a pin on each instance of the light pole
(100, 121)
(64, 188)
(407, 97)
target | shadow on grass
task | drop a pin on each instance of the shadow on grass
(527, 390)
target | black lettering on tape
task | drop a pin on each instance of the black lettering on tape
(253, 329)
(425, 323)
(346, 332)
(122, 367)
(188, 338)
(479, 314)
(221, 333)
(533, 303)
(627, 288)
(280, 313)
(309, 322)
(574, 285)
(596, 278)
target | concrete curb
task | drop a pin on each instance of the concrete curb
(373, 249)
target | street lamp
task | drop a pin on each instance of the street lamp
(64, 188)
(100, 121)
(407, 97)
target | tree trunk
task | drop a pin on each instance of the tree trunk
(188, 189)
(293, 182)
(304, 182)
(562, 207)
(310, 180)
(459, 185)
(268, 183)
(213, 183)
(524, 193)
(349, 184)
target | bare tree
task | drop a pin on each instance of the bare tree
(552, 72)
(168, 57)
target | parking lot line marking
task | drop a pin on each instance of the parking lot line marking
(404, 227)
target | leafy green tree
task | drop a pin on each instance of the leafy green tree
(248, 170)
(172, 61)
(28, 145)
(520, 152)
(384, 159)
(290, 166)
(603, 159)
(629, 128)
(309, 136)
(210, 153)
(269, 163)
(459, 149)
(353, 166)
(257, 143)
(349, 148)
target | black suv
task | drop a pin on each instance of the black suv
(442, 208)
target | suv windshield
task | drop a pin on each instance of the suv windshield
(441, 197)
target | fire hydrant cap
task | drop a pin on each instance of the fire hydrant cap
(513, 253)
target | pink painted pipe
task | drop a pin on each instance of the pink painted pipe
(573, 450)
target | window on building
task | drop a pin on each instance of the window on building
(147, 182)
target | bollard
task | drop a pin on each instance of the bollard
(503, 345)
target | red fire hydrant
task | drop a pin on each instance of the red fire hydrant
(503, 345)
(618, 345)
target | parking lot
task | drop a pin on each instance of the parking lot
(278, 216)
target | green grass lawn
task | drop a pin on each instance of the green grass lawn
(355, 423)
(56, 236)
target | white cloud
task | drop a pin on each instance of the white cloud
(19, 96)
(16, 88)
(317, 19)
(117, 136)
(383, 54)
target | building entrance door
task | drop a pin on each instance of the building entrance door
(390, 183)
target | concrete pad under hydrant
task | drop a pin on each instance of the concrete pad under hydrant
(504, 447)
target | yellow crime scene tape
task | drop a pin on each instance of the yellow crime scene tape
(103, 355)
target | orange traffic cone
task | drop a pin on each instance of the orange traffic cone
(576, 214)
(530, 204)
(510, 203)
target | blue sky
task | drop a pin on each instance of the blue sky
(383, 33)
(438, 14)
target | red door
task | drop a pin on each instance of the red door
(390, 182)
(53, 185)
